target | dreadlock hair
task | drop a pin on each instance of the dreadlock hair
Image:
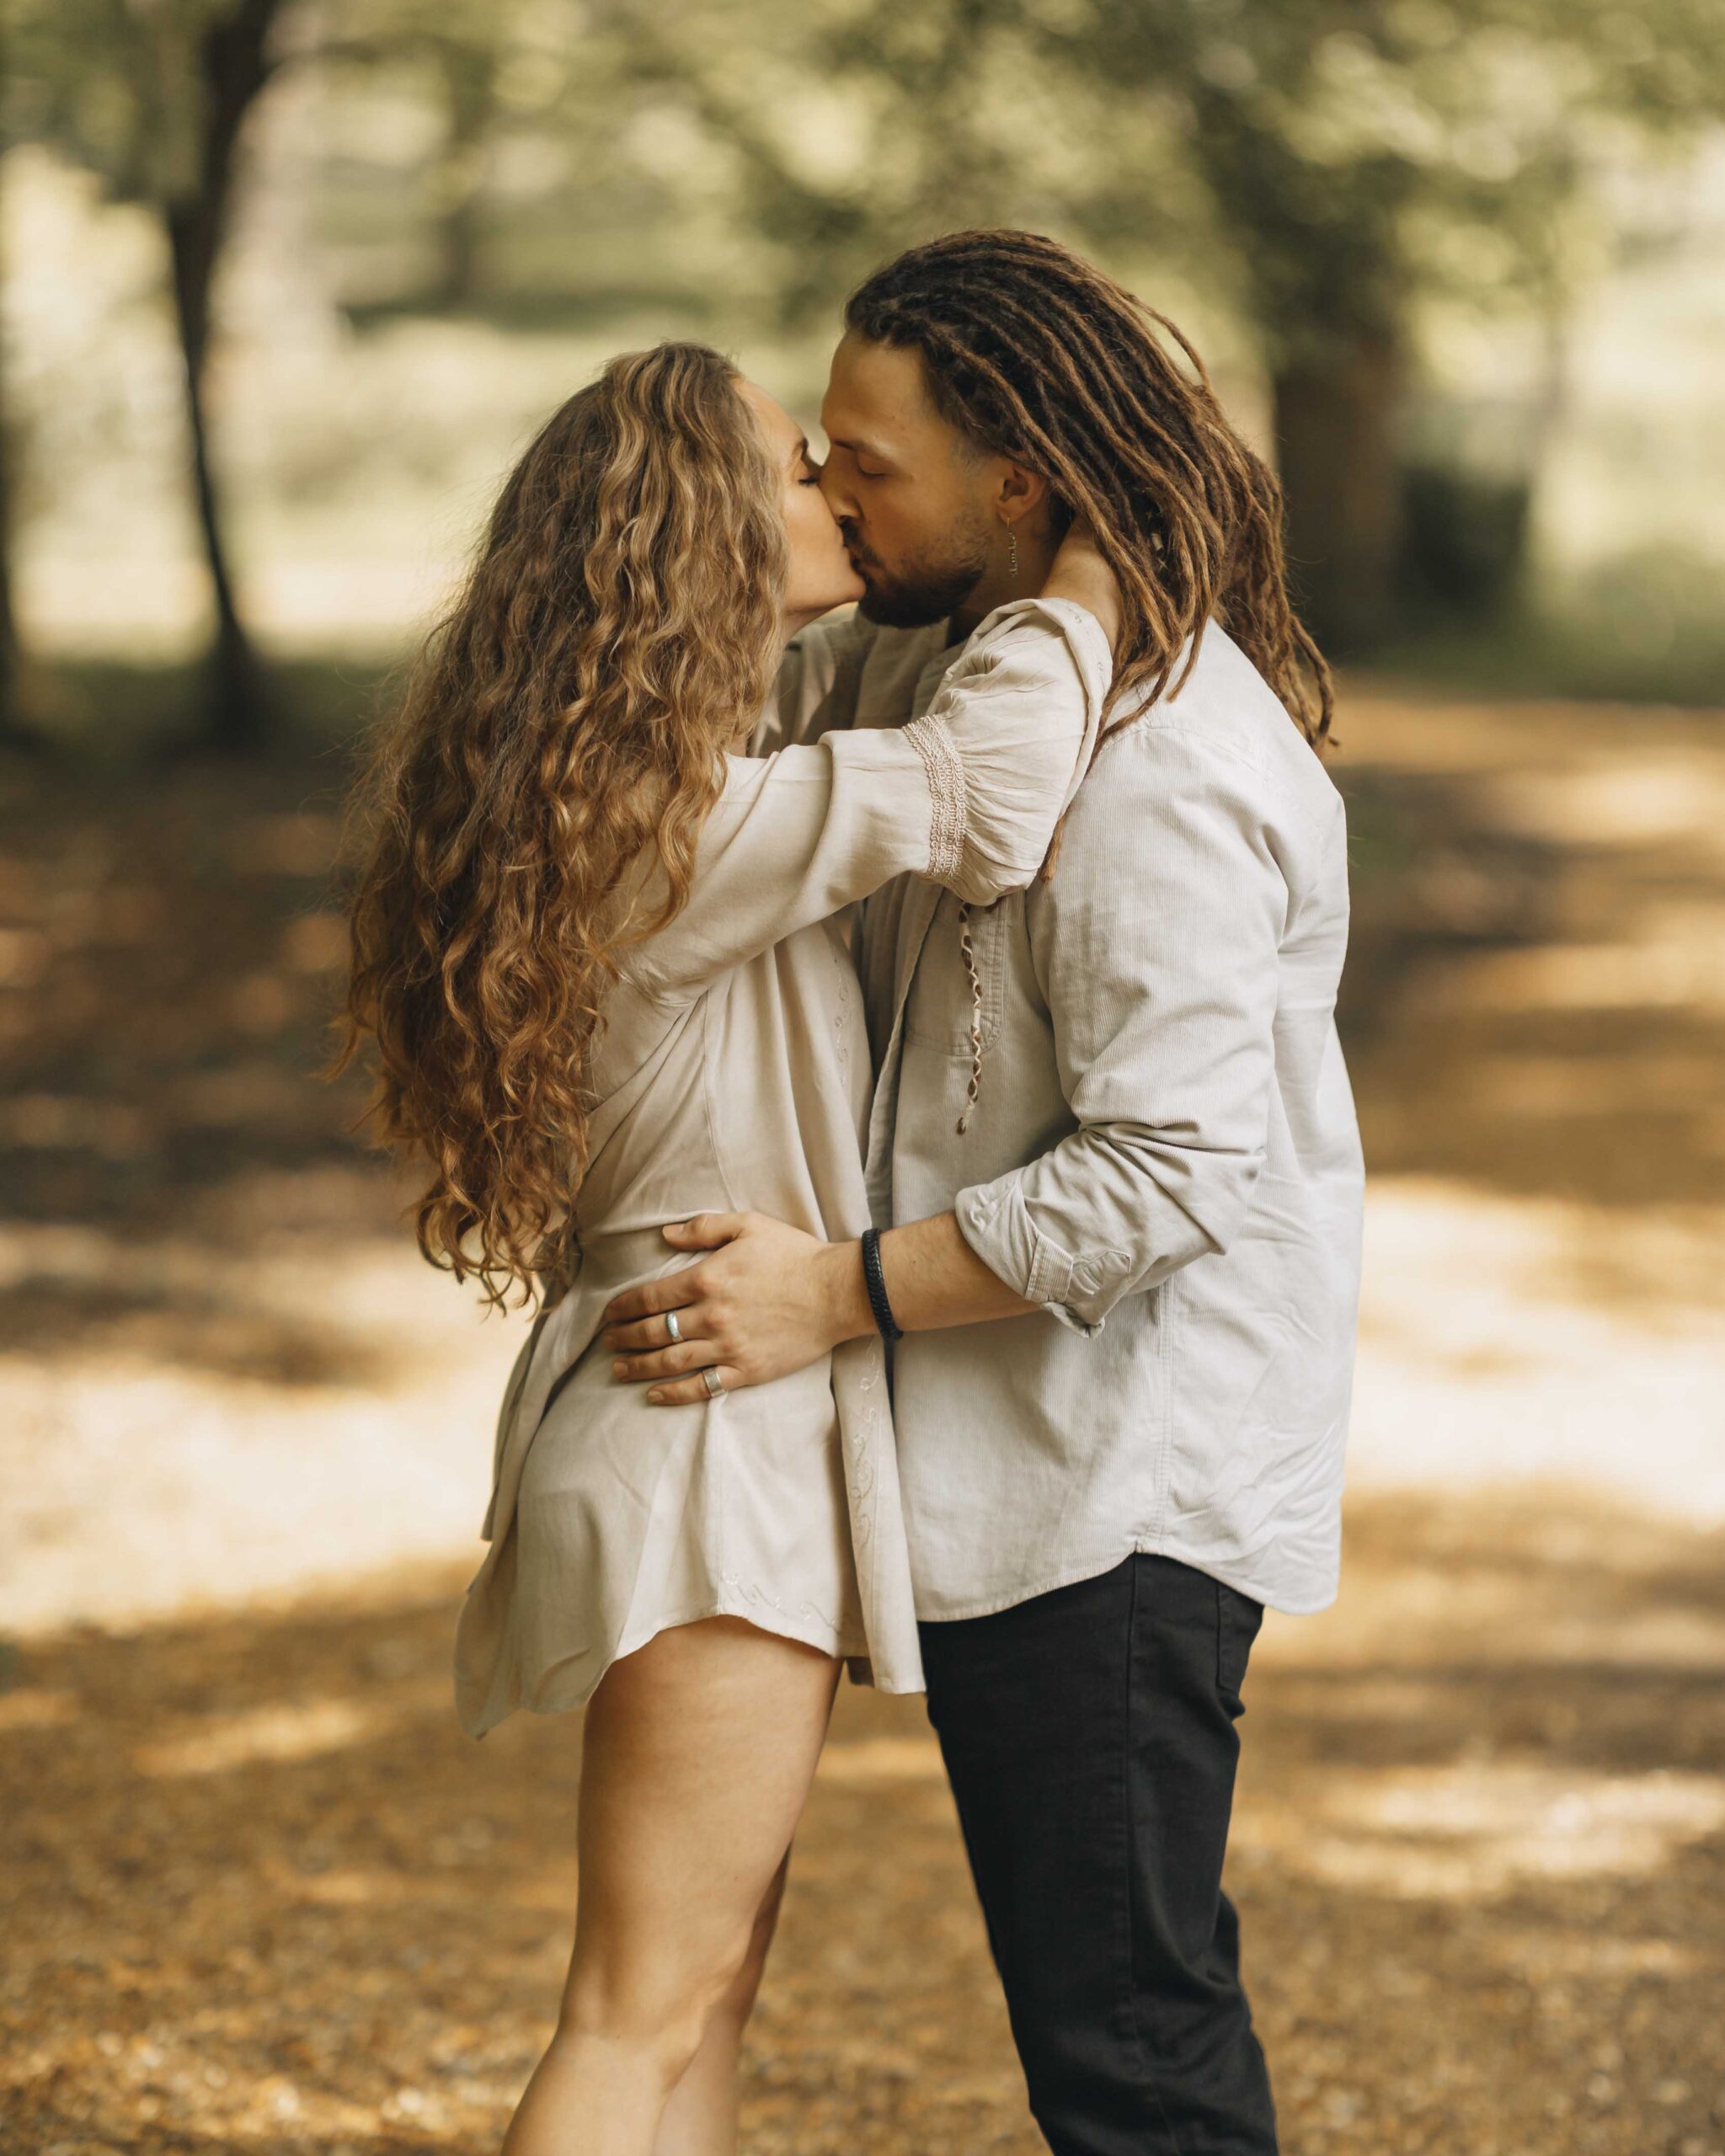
(1032, 352)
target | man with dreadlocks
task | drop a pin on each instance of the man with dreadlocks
(1114, 1155)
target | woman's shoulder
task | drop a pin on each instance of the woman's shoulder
(818, 680)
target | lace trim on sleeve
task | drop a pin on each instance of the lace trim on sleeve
(933, 740)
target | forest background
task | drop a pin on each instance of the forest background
(1458, 263)
(284, 286)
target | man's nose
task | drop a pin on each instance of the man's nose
(839, 497)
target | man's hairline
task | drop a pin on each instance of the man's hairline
(974, 450)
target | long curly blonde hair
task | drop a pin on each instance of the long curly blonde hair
(561, 737)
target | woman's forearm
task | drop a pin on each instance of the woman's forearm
(1080, 574)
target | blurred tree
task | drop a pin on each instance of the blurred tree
(213, 63)
(152, 95)
(16, 731)
(468, 74)
(1361, 156)
(1323, 166)
(457, 55)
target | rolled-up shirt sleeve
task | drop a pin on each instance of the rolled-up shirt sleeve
(1157, 946)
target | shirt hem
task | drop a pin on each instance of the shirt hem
(991, 1606)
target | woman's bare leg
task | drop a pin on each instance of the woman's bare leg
(698, 1755)
(701, 2118)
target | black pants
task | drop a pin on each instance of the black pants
(1089, 1736)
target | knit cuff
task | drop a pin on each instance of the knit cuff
(933, 740)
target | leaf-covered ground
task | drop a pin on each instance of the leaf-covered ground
(261, 1896)
(265, 1896)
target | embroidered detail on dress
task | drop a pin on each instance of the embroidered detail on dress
(846, 977)
(862, 1477)
(805, 1610)
(933, 740)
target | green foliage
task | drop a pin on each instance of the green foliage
(852, 130)
(1318, 169)
(1320, 163)
(1357, 155)
(116, 86)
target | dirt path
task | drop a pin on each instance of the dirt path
(261, 1895)
(269, 1899)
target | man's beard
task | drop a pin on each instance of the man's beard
(926, 590)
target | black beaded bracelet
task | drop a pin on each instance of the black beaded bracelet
(875, 1279)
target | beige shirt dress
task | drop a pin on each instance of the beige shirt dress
(733, 1075)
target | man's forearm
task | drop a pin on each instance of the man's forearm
(933, 1278)
(769, 1298)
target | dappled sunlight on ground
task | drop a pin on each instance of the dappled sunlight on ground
(1477, 1829)
(1536, 999)
(265, 1898)
(1508, 1337)
(284, 1904)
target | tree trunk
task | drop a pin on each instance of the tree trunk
(234, 70)
(15, 732)
(1335, 419)
(470, 103)
(12, 728)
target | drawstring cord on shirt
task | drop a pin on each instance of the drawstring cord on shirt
(974, 975)
(974, 978)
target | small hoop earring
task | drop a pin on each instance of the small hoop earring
(1012, 553)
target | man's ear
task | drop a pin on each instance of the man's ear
(1022, 494)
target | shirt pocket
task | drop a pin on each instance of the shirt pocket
(942, 1002)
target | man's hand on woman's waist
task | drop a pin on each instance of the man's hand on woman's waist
(771, 1299)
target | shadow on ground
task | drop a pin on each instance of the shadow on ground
(266, 1896)
(171, 955)
(261, 1894)
(1539, 906)
(1535, 1001)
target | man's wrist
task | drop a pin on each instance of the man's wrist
(846, 1292)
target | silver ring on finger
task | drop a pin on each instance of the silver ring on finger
(712, 1381)
(672, 1327)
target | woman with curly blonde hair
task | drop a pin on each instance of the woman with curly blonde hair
(596, 956)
